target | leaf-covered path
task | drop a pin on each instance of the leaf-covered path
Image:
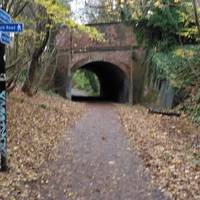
(96, 162)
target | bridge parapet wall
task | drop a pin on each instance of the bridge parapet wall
(116, 35)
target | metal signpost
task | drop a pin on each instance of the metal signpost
(5, 28)
(3, 135)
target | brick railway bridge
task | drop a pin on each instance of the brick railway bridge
(112, 61)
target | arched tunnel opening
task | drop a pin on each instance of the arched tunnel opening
(113, 83)
(85, 84)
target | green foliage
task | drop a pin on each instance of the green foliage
(197, 97)
(56, 11)
(126, 14)
(23, 75)
(169, 29)
(179, 66)
(195, 113)
(186, 18)
(167, 21)
(87, 81)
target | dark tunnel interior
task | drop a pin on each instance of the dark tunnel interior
(113, 82)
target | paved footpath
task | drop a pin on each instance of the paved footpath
(96, 162)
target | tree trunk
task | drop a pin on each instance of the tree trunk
(196, 15)
(26, 88)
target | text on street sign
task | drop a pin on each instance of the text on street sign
(14, 27)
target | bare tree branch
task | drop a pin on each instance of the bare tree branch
(13, 65)
(20, 10)
(10, 5)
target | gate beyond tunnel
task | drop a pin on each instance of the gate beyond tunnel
(111, 60)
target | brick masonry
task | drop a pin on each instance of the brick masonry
(77, 49)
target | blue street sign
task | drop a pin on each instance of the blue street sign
(14, 27)
(4, 16)
(5, 38)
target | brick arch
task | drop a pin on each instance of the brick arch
(113, 78)
(124, 67)
(76, 49)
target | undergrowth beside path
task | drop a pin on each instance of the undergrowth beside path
(35, 126)
(169, 147)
